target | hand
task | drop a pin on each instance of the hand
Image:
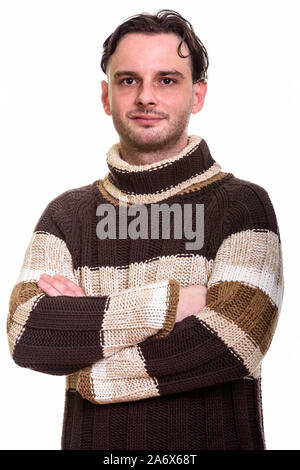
(59, 285)
(192, 299)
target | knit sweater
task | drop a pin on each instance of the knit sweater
(135, 378)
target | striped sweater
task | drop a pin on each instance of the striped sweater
(135, 378)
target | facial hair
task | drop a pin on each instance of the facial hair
(151, 140)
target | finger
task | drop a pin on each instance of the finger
(56, 288)
(74, 288)
(57, 284)
(48, 288)
(60, 286)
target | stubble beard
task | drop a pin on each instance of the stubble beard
(144, 139)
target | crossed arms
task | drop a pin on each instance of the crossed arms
(54, 328)
(192, 299)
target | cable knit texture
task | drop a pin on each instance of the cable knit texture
(135, 378)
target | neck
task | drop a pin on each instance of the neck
(139, 156)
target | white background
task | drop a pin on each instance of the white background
(55, 134)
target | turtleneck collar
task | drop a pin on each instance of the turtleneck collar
(150, 183)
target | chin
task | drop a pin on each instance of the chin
(144, 137)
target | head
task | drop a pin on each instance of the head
(156, 67)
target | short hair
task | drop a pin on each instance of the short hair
(164, 21)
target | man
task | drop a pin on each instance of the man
(161, 339)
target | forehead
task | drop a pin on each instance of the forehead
(141, 52)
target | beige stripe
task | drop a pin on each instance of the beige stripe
(116, 202)
(254, 258)
(233, 336)
(113, 157)
(187, 270)
(115, 379)
(46, 253)
(21, 293)
(172, 305)
(18, 320)
(72, 381)
(14, 333)
(259, 265)
(256, 374)
(201, 184)
(84, 384)
(249, 308)
(121, 377)
(193, 187)
(133, 315)
(156, 197)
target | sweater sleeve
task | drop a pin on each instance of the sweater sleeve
(228, 339)
(60, 335)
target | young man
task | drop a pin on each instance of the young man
(161, 338)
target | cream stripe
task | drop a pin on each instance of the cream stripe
(46, 253)
(134, 315)
(233, 336)
(113, 157)
(15, 332)
(187, 270)
(156, 197)
(121, 377)
(254, 258)
(19, 319)
(123, 390)
(256, 374)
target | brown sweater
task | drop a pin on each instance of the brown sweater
(135, 379)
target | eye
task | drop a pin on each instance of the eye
(124, 79)
(166, 78)
(169, 81)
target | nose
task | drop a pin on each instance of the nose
(145, 95)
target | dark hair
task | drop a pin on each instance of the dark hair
(164, 21)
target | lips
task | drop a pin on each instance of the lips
(146, 119)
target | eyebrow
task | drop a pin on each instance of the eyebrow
(160, 73)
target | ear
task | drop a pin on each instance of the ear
(105, 98)
(199, 91)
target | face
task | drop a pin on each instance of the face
(148, 79)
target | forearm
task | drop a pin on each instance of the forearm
(226, 341)
(63, 334)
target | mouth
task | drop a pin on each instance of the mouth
(146, 120)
